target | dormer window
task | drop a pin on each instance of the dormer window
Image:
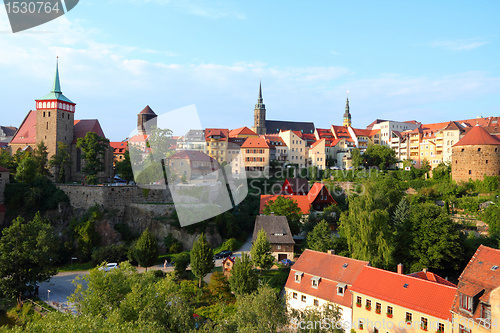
(298, 276)
(466, 303)
(341, 288)
(315, 281)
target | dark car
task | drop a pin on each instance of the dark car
(287, 262)
(223, 254)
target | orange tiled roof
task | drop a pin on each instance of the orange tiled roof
(301, 200)
(332, 270)
(119, 144)
(138, 138)
(255, 143)
(361, 132)
(316, 189)
(428, 297)
(241, 131)
(477, 136)
(479, 276)
(429, 276)
(222, 132)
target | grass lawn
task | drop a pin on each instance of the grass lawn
(77, 266)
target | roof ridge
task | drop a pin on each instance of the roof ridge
(411, 277)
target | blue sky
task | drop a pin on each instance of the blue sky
(431, 61)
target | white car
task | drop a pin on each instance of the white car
(109, 267)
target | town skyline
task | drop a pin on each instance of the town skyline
(213, 55)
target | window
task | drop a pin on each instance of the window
(486, 311)
(389, 311)
(360, 324)
(375, 330)
(358, 301)
(466, 301)
(368, 304)
(478, 149)
(470, 172)
(278, 247)
(298, 276)
(316, 302)
(463, 329)
(315, 281)
(408, 317)
(294, 295)
(378, 307)
(423, 323)
(303, 299)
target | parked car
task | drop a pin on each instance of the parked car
(223, 254)
(287, 262)
(109, 267)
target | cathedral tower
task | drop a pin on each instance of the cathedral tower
(55, 117)
(347, 114)
(259, 115)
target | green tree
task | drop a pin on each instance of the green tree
(320, 238)
(436, 242)
(27, 249)
(202, 258)
(94, 149)
(491, 216)
(261, 251)
(219, 288)
(243, 279)
(7, 160)
(61, 161)
(40, 155)
(285, 207)
(426, 166)
(380, 156)
(124, 168)
(357, 159)
(181, 262)
(26, 170)
(146, 250)
(329, 314)
(442, 171)
(87, 237)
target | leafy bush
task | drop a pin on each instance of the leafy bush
(172, 245)
(112, 253)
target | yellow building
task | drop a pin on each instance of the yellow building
(256, 155)
(476, 307)
(385, 301)
(217, 142)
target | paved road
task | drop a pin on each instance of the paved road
(61, 286)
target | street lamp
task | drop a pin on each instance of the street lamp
(73, 258)
(48, 295)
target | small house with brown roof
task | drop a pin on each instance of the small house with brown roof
(227, 266)
(404, 303)
(278, 234)
(319, 278)
(477, 154)
(477, 298)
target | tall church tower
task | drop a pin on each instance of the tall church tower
(347, 114)
(55, 118)
(259, 113)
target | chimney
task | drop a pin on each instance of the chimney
(330, 251)
(400, 268)
(424, 270)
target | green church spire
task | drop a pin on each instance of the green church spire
(57, 86)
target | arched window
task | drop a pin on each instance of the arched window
(60, 106)
(53, 105)
(71, 108)
(44, 105)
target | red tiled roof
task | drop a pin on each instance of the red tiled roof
(241, 131)
(138, 138)
(316, 189)
(428, 297)
(255, 143)
(27, 131)
(192, 155)
(83, 126)
(2, 169)
(222, 132)
(330, 268)
(301, 201)
(147, 110)
(429, 276)
(479, 276)
(334, 142)
(477, 136)
(361, 132)
(119, 144)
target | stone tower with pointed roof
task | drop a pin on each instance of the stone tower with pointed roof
(347, 114)
(55, 115)
(259, 114)
(476, 155)
(145, 120)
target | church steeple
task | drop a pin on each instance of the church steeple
(260, 114)
(56, 88)
(347, 114)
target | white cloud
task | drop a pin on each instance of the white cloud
(459, 45)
